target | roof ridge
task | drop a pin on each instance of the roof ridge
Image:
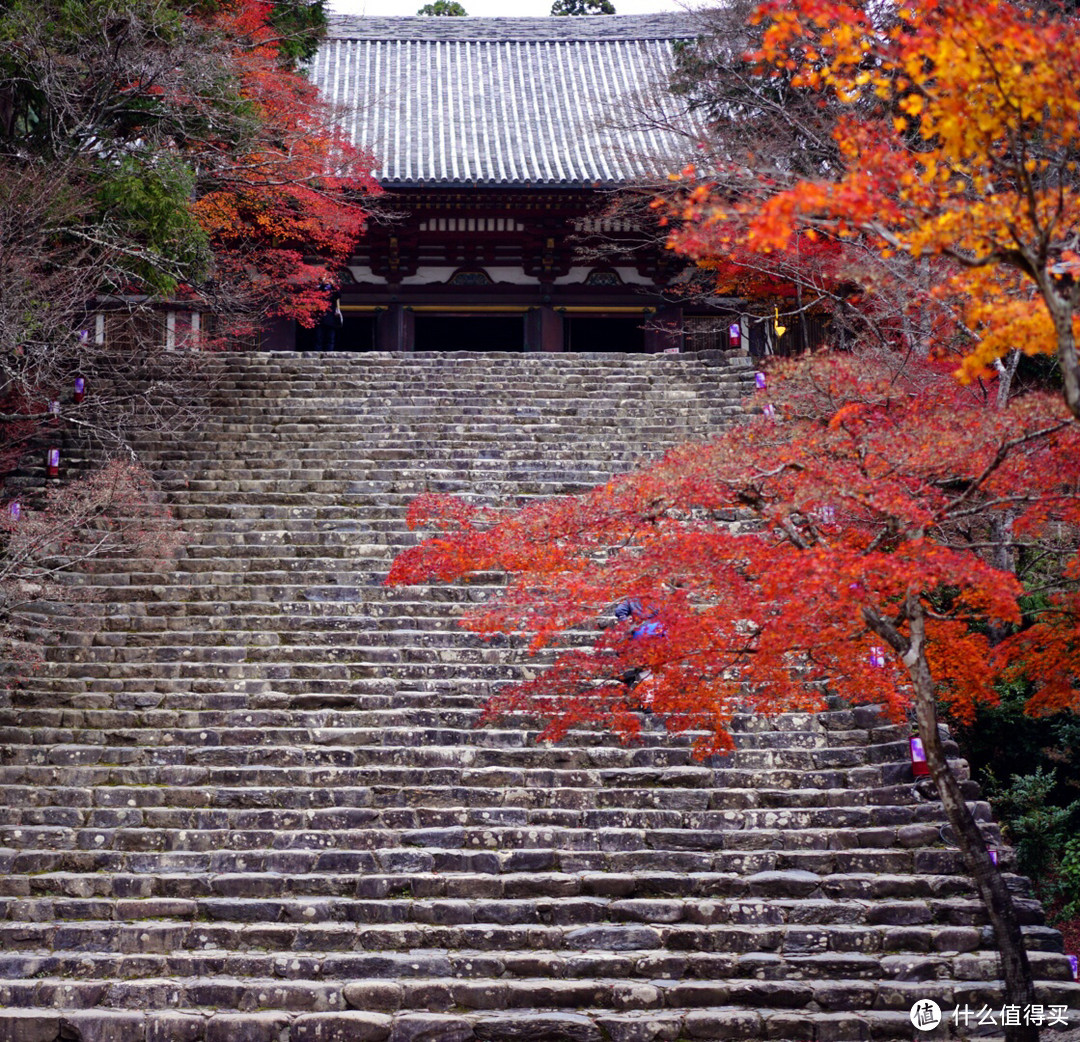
(659, 26)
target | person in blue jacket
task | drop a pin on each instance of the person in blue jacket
(648, 625)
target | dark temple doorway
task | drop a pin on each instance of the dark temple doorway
(583, 333)
(357, 334)
(470, 333)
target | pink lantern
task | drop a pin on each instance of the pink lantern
(52, 459)
(877, 657)
(759, 381)
(734, 334)
(80, 389)
(15, 510)
(993, 854)
(1075, 964)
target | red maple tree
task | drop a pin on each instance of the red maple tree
(839, 542)
(282, 199)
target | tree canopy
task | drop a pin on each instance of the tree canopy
(582, 7)
(444, 8)
(955, 129)
(185, 144)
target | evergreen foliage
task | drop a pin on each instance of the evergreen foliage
(581, 7)
(443, 9)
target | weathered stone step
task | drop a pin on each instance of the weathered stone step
(839, 723)
(563, 830)
(534, 1025)
(722, 782)
(786, 871)
(397, 730)
(667, 807)
(524, 873)
(862, 908)
(705, 924)
(639, 772)
(442, 994)
(658, 752)
(269, 1007)
(399, 726)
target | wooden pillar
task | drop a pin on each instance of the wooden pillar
(543, 330)
(664, 330)
(395, 329)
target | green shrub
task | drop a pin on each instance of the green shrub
(1037, 828)
(1067, 883)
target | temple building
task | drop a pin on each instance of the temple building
(499, 142)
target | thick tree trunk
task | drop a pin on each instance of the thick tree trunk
(1061, 311)
(1015, 968)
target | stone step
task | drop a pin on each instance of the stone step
(844, 899)
(713, 787)
(865, 725)
(386, 729)
(392, 980)
(744, 827)
(441, 994)
(836, 728)
(660, 752)
(398, 726)
(731, 823)
(701, 924)
(712, 834)
(532, 1025)
(803, 871)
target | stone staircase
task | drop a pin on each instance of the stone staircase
(246, 801)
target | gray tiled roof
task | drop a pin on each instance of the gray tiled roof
(503, 101)
(591, 27)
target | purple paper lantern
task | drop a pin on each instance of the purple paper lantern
(919, 766)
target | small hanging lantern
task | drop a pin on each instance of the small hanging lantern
(734, 334)
(80, 389)
(1075, 964)
(919, 766)
(759, 381)
(54, 408)
(15, 510)
(52, 460)
(992, 851)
